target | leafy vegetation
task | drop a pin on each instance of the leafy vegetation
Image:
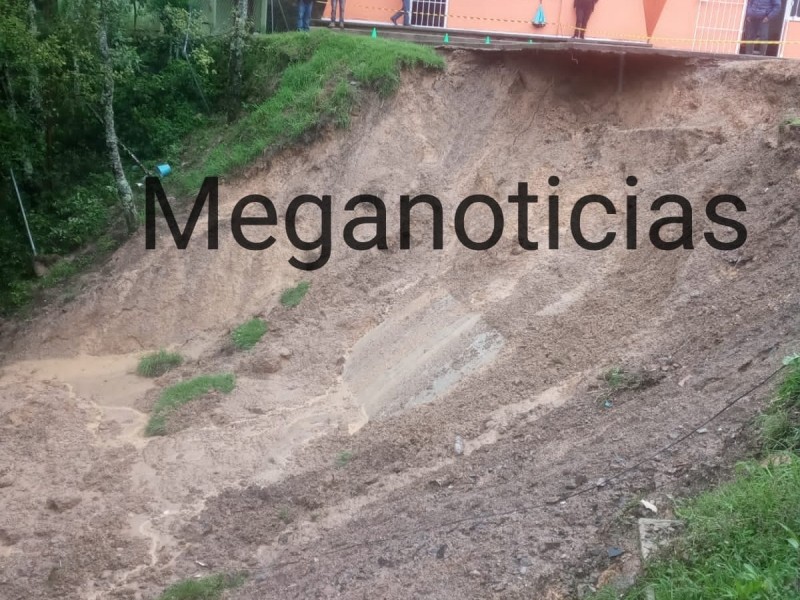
(297, 83)
(742, 539)
(170, 103)
(343, 458)
(156, 364)
(247, 335)
(293, 296)
(183, 392)
(204, 588)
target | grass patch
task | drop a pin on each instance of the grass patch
(343, 458)
(742, 539)
(204, 588)
(780, 423)
(156, 364)
(247, 335)
(618, 379)
(297, 83)
(742, 542)
(179, 394)
(293, 296)
(284, 516)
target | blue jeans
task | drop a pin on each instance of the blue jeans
(404, 12)
(756, 29)
(304, 15)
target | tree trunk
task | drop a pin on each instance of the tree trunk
(237, 57)
(123, 188)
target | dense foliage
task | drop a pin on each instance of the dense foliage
(172, 103)
(51, 132)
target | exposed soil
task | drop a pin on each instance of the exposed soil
(331, 469)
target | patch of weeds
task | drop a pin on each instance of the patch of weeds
(293, 296)
(156, 364)
(742, 541)
(343, 458)
(618, 378)
(780, 423)
(179, 394)
(204, 588)
(284, 515)
(247, 335)
(297, 83)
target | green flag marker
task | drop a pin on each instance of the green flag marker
(488, 40)
(374, 33)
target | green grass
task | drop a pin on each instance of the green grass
(780, 423)
(343, 458)
(618, 378)
(204, 588)
(297, 83)
(284, 515)
(741, 542)
(156, 364)
(247, 335)
(179, 394)
(742, 539)
(293, 296)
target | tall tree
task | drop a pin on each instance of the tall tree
(124, 192)
(237, 57)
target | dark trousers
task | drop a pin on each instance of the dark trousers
(304, 15)
(582, 14)
(756, 29)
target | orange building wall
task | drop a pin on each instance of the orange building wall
(515, 16)
(705, 26)
(792, 49)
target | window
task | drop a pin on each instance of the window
(430, 13)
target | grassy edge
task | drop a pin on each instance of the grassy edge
(179, 394)
(742, 538)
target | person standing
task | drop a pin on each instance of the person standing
(583, 10)
(334, 4)
(304, 14)
(404, 12)
(756, 23)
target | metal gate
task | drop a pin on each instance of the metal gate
(429, 13)
(718, 26)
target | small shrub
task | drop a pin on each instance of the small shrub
(284, 516)
(343, 458)
(293, 296)
(618, 378)
(156, 364)
(179, 394)
(204, 588)
(247, 335)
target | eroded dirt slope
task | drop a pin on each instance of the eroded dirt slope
(330, 470)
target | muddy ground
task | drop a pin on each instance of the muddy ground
(331, 469)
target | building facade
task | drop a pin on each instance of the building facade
(699, 25)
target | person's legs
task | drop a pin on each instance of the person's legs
(341, 13)
(750, 33)
(334, 4)
(307, 16)
(763, 35)
(580, 21)
(407, 12)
